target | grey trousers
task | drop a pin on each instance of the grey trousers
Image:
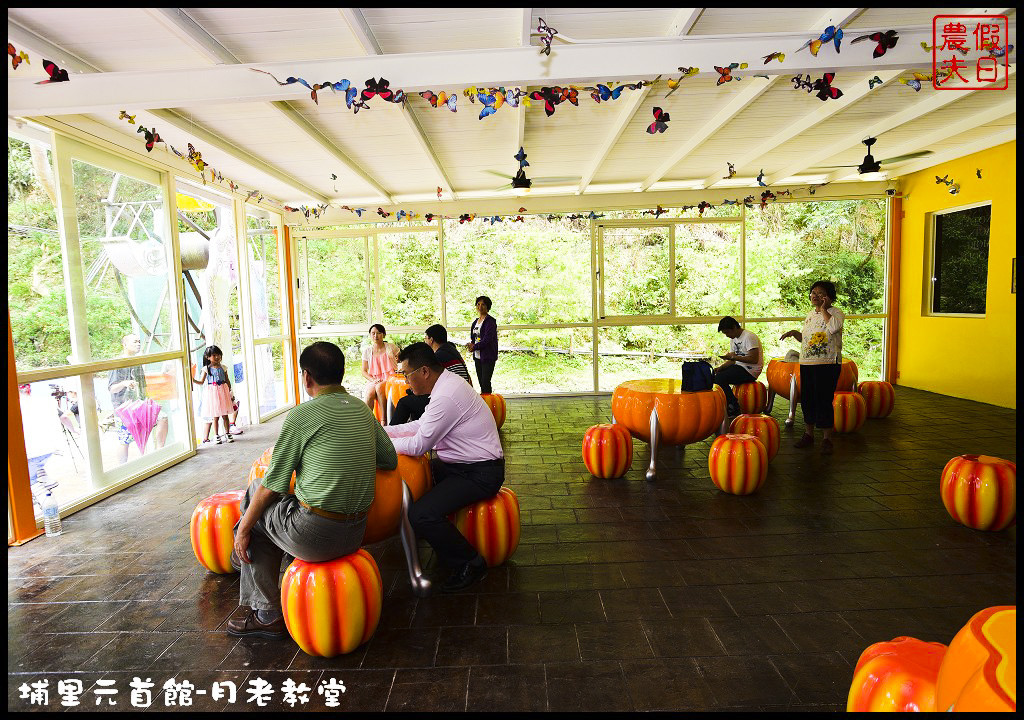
(288, 527)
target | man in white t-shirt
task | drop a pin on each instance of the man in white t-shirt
(742, 364)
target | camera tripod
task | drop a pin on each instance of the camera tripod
(69, 437)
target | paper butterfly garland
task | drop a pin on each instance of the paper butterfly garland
(603, 92)
(439, 192)
(979, 173)
(732, 171)
(195, 158)
(944, 180)
(379, 88)
(382, 213)
(465, 218)
(915, 82)
(998, 52)
(825, 89)
(55, 73)
(874, 81)
(885, 41)
(660, 119)
(800, 83)
(17, 57)
(547, 34)
(125, 116)
(521, 157)
(760, 179)
(152, 137)
(766, 196)
(358, 211)
(704, 205)
(656, 213)
(674, 84)
(774, 56)
(725, 73)
(748, 201)
(442, 100)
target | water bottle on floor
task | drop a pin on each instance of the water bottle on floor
(51, 516)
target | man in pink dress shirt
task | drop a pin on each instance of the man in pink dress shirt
(470, 464)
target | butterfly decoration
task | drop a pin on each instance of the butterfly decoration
(439, 191)
(152, 137)
(547, 34)
(466, 217)
(979, 173)
(378, 88)
(345, 88)
(824, 87)
(774, 56)
(17, 57)
(521, 157)
(885, 41)
(998, 52)
(382, 212)
(725, 73)
(515, 95)
(518, 218)
(442, 100)
(195, 158)
(766, 196)
(570, 93)
(802, 83)
(552, 218)
(831, 34)
(732, 171)
(686, 72)
(490, 103)
(550, 98)
(231, 184)
(915, 82)
(704, 205)
(760, 179)
(944, 180)
(594, 216)
(661, 118)
(522, 210)
(604, 93)
(289, 80)
(874, 81)
(494, 219)
(125, 116)
(56, 74)
(656, 213)
(787, 193)
(954, 189)
(358, 211)
(175, 151)
(252, 194)
(471, 93)
(748, 201)
(401, 216)
(766, 77)
(927, 47)
(429, 217)
(730, 202)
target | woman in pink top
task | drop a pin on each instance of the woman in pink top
(379, 362)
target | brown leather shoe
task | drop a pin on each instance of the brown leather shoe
(250, 626)
(826, 447)
(804, 441)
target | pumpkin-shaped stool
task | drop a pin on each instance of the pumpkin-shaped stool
(258, 470)
(784, 379)
(607, 450)
(394, 390)
(979, 671)
(491, 526)
(212, 530)
(752, 397)
(331, 608)
(879, 396)
(849, 411)
(496, 403)
(764, 427)
(896, 676)
(738, 464)
(980, 491)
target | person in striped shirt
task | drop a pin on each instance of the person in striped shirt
(334, 446)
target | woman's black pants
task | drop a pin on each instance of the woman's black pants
(484, 371)
(817, 389)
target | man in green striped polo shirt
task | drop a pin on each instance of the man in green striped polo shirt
(334, 445)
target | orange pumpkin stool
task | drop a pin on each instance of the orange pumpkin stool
(491, 526)
(849, 411)
(333, 607)
(752, 397)
(212, 530)
(738, 464)
(497, 405)
(607, 450)
(896, 676)
(979, 671)
(784, 379)
(394, 390)
(980, 491)
(879, 397)
(764, 427)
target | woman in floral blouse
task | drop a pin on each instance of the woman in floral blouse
(821, 357)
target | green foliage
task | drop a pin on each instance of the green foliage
(961, 250)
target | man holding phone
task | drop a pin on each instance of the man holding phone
(742, 364)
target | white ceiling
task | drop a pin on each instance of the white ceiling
(407, 155)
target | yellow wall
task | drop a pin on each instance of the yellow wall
(973, 358)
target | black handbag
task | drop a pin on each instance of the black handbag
(697, 375)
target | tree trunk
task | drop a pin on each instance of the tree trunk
(43, 170)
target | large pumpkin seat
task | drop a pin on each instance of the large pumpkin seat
(784, 379)
(491, 526)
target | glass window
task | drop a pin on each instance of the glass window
(862, 343)
(707, 257)
(36, 291)
(126, 261)
(273, 388)
(541, 361)
(534, 272)
(335, 281)
(410, 279)
(960, 260)
(650, 351)
(790, 246)
(264, 276)
(635, 277)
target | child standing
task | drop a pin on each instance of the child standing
(216, 394)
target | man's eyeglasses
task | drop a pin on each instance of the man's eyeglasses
(407, 373)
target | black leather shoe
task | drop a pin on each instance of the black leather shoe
(250, 626)
(473, 571)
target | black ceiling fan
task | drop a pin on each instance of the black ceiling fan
(870, 165)
(521, 182)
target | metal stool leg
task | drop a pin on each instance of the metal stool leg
(792, 401)
(771, 402)
(655, 430)
(420, 583)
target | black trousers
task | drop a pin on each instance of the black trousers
(817, 389)
(411, 407)
(456, 485)
(732, 375)
(484, 371)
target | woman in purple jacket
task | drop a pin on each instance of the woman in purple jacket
(484, 343)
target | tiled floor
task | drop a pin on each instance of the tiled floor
(623, 594)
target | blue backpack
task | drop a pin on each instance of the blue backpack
(697, 375)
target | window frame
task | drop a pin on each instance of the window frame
(930, 278)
